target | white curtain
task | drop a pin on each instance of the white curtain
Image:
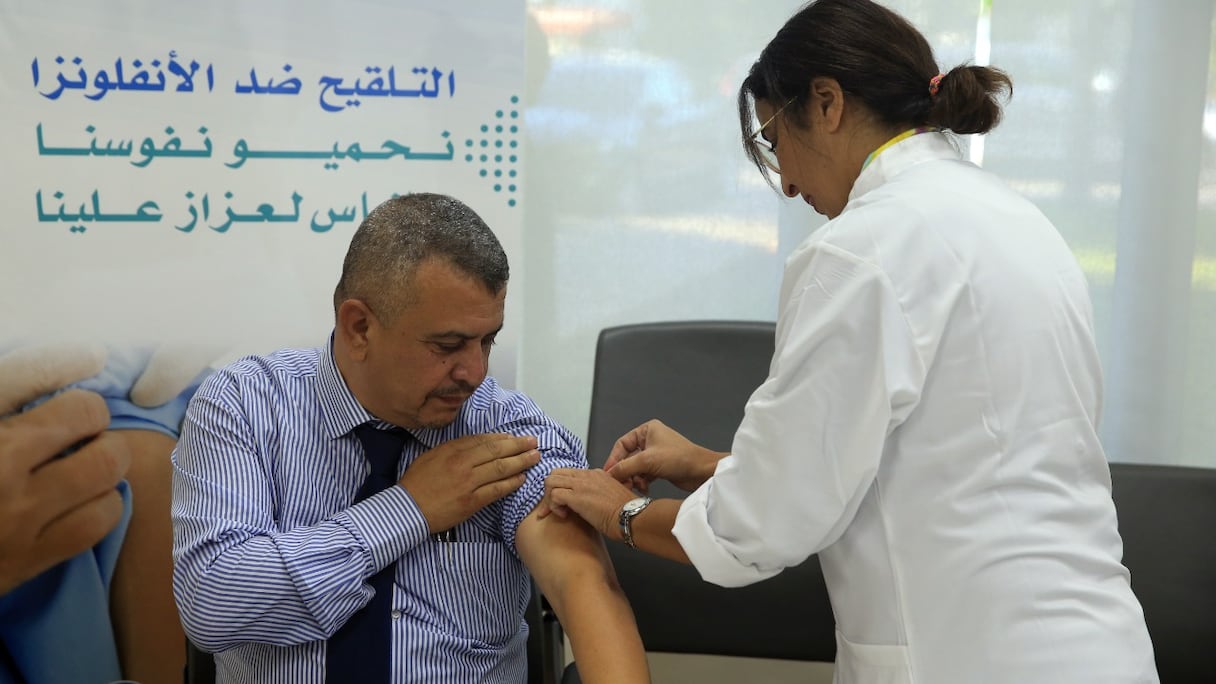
(640, 205)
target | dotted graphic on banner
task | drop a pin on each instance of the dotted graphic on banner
(496, 153)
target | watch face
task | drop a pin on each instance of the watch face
(636, 504)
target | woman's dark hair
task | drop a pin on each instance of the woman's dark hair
(877, 57)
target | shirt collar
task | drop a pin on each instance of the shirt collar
(341, 410)
(901, 156)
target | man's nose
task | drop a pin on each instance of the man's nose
(471, 366)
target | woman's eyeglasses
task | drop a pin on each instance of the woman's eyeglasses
(766, 150)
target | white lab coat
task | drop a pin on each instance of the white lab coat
(928, 427)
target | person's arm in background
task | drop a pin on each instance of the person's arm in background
(151, 643)
(53, 508)
(115, 587)
(64, 510)
(146, 391)
(571, 567)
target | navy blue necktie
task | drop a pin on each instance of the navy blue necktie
(361, 650)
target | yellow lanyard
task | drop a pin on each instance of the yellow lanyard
(902, 136)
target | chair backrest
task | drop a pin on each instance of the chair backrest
(546, 652)
(1167, 518)
(696, 376)
(200, 665)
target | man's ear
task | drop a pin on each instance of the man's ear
(827, 103)
(354, 321)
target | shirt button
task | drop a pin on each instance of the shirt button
(396, 614)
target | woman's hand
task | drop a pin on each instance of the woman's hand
(654, 451)
(592, 494)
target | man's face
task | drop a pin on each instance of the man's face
(422, 367)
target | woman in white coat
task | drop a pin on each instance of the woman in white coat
(928, 426)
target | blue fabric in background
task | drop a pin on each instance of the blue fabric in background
(114, 383)
(56, 627)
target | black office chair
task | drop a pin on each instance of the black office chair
(546, 644)
(1167, 518)
(546, 654)
(200, 665)
(696, 376)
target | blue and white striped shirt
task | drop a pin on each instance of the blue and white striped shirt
(271, 557)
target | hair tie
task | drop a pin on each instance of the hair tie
(934, 84)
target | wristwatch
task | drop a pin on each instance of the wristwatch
(630, 509)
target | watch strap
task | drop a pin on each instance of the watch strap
(628, 511)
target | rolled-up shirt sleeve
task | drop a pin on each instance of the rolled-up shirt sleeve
(559, 448)
(845, 372)
(237, 576)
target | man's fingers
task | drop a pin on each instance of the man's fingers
(485, 448)
(64, 484)
(79, 528)
(493, 491)
(33, 437)
(504, 467)
(30, 372)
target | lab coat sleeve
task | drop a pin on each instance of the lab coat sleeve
(845, 373)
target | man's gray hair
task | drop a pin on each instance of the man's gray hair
(401, 234)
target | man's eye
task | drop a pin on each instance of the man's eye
(448, 348)
(489, 342)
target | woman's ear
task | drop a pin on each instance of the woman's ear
(827, 103)
(354, 321)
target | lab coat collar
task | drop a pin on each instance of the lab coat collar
(901, 156)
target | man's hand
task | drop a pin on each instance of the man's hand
(592, 494)
(458, 478)
(654, 451)
(54, 508)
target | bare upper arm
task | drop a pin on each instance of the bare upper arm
(563, 553)
(571, 566)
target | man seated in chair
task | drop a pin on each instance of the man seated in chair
(292, 567)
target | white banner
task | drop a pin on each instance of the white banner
(177, 171)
